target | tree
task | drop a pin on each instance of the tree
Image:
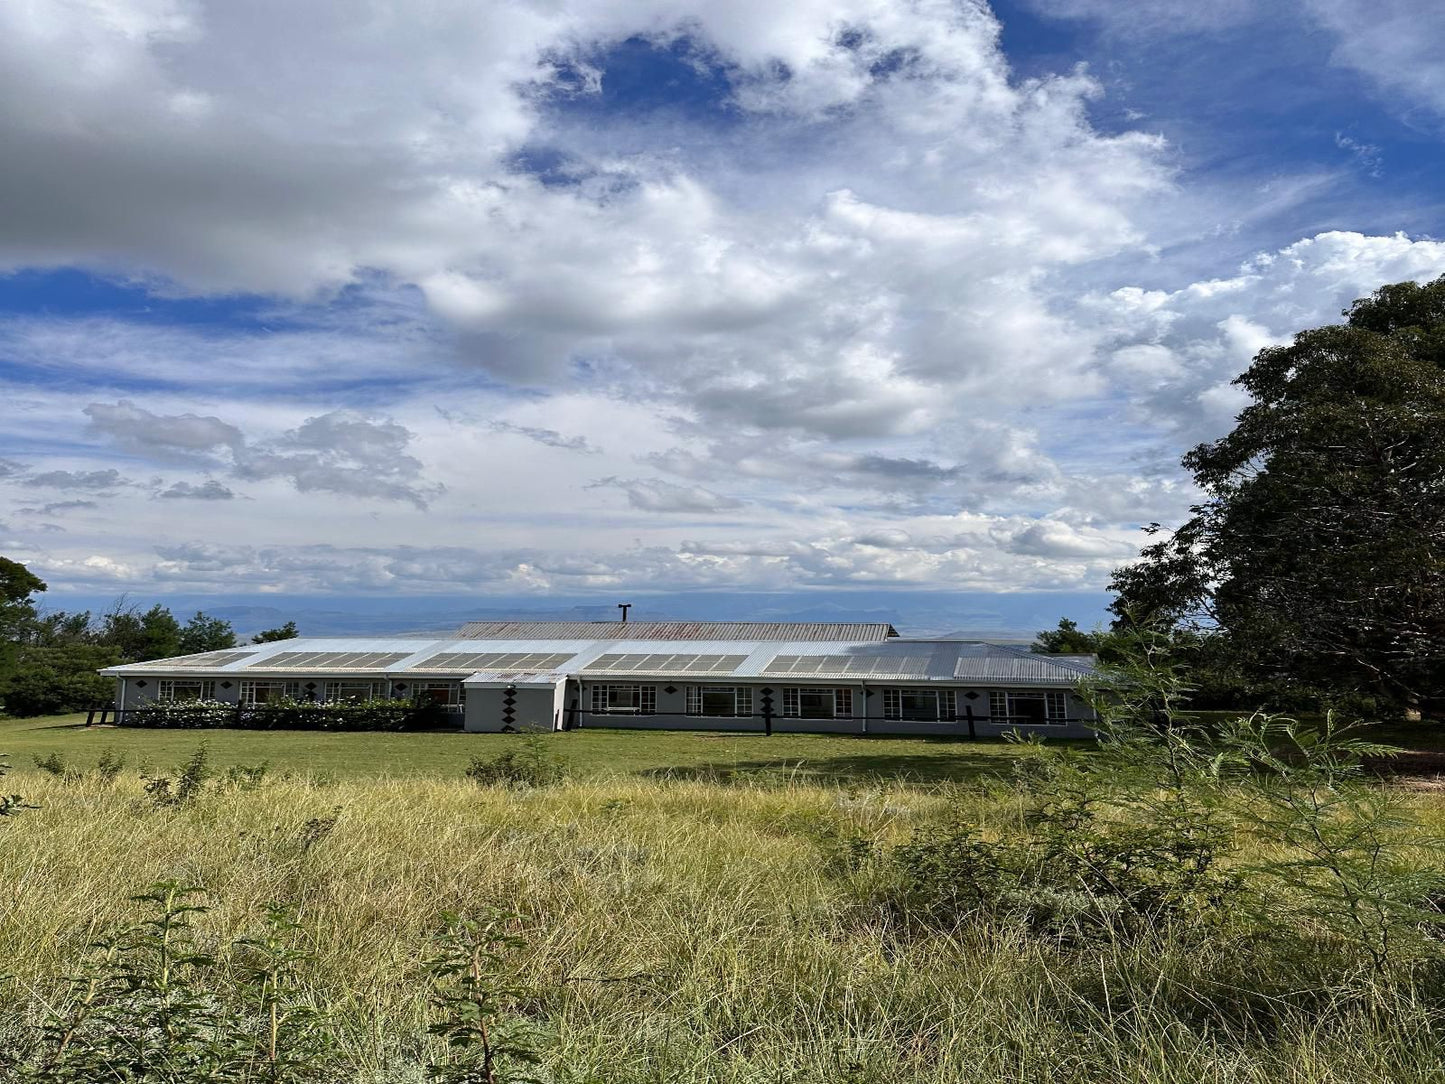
(155, 634)
(51, 680)
(1067, 639)
(205, 633)
(1319, 552)
(17, 611)
(270, 636)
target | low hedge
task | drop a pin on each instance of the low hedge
(291, 715)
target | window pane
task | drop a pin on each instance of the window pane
(622, 697)
(719, 702)
(815, 703)
(920, 704)
(1027, 708)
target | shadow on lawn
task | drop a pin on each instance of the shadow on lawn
(881, 768)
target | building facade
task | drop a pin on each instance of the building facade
(493, 676)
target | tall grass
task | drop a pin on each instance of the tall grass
(673, 931)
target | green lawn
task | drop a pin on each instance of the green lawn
(691, 755)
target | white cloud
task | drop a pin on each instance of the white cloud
(95, 481)
(181, 437)
(654, 495)
(210, 490)
(1399, 45)
(832, 333)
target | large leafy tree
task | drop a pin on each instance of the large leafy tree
(206, 633)
(18, 585)
(281, 632)
(1319, 552)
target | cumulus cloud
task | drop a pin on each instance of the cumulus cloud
(343, 452)
(1178, 351)
(897, 277)
(179, 437)
(837, 322)
(209, 490)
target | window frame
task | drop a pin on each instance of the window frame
(166, 689)
(284, 689)
(841, 698)
(452, 689)
(643, 697)
(1055, 701)
(740, 698)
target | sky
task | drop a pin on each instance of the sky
(866, 305)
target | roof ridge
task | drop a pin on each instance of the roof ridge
(1053, 660)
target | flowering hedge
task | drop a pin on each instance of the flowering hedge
(291, 715)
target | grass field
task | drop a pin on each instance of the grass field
(683, 915)
(445, 755)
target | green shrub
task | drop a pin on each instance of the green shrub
(531, 766)
(10, 804)
(190, 780)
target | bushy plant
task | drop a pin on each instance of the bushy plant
(138, 1011)
(470, 995)
(1354, 861)
(533, 765)
(145, 1006)
(285, 713)
(187, 784)
(10, 804)
(181, 714)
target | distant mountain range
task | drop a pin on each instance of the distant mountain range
(965, 615)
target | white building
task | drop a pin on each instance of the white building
(837, 678)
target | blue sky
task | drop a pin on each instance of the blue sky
(532, 305)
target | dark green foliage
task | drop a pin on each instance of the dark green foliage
(10, 804)
(186, 786)
(58, 679)
(154, 634)
(146, 1007)
(534, 765)
(54, 763)
(205, 633)
(1068, 639)
(110, 765)
(139, 1011)
(17, 611)
(470, 996)
(270, 636)
(291, 1044)
(247, 776)
(1318, 551)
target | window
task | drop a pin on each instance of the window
(730, 700)
(920, 705)
(1028, 707)
(447, 694)
(815, 703)
(177, 689)
(262, 692)
(624, 699)
(351, 691)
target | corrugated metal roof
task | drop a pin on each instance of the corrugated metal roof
(872, 661)
(812, 631)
